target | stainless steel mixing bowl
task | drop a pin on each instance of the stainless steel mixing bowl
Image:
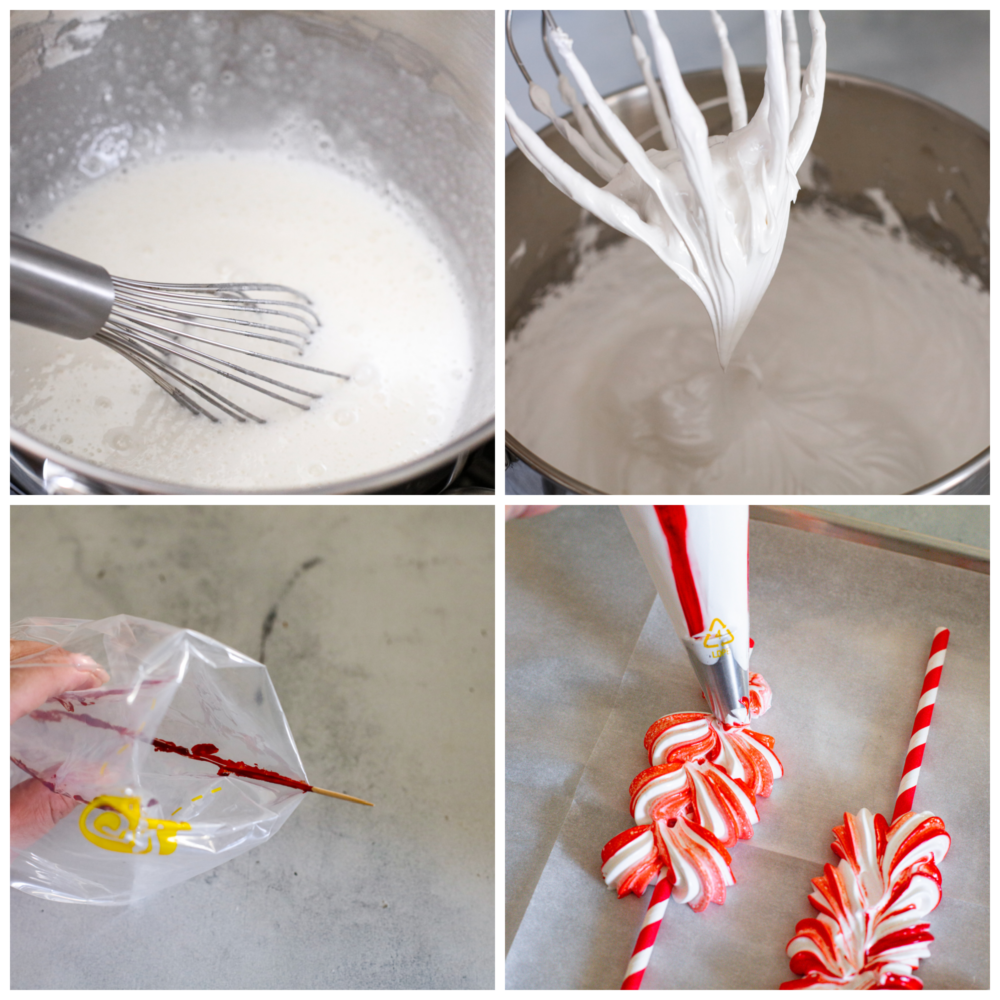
(871, 135)
(412, 91)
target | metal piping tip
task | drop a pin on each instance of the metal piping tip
(725, 683)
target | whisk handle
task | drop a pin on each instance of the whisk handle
(57, 292)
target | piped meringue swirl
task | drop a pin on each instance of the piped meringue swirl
(697, 799)
(870, 932)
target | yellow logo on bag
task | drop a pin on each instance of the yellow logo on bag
(112, 822)
(718, 637)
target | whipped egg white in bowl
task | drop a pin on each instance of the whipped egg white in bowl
(865, 370)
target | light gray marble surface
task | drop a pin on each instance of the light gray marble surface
(382, 655)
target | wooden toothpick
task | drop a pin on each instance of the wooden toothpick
(340, 795)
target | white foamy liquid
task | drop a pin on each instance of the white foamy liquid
(864, 370)
(392, 312)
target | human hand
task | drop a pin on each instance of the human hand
(512, 512)
(35, 809)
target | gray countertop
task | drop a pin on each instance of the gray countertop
(842, 634)
(382, 654)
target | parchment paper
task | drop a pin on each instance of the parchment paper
(842, 635)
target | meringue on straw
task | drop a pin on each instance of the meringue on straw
(870, 932)
(699, 795)
(694, 803)
(713, 209)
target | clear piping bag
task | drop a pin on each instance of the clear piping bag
(697, 557)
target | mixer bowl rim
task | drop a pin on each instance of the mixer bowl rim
(640, 89)
(371, 483)
(937, 486)
(941, 485)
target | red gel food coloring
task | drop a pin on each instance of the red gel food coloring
(208, 751)
(673, 522)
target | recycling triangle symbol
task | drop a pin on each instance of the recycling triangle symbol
(718, 635)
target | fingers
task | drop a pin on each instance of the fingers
(34, 810)
(39, 672)
(19, 648)
(31, 686)
(42, 653)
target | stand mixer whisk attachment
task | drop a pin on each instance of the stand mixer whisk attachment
(169, 331)
(714, 208)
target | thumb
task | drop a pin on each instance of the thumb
(34, 810)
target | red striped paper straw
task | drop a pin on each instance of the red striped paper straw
(643, 950)
(921, 725)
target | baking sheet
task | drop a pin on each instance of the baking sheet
(842, 635)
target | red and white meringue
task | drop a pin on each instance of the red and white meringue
(697, 799)
(869, 933)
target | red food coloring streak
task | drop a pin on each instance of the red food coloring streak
(48, 784)
(201, 751)
(673, 521)
(57, 716)
(208, 751)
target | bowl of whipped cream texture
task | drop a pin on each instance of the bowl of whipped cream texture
(347, 155)
(864, 370)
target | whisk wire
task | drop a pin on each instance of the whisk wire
(245, 328)
(183, 308)
(166, 335)
(219, 366)
(229, 298)
(152, 365)
(164, 327)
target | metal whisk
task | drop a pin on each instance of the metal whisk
(161, 328)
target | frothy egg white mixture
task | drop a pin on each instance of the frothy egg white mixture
(864, 370)
(393, 317)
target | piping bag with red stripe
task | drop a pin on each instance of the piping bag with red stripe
(697, 558)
